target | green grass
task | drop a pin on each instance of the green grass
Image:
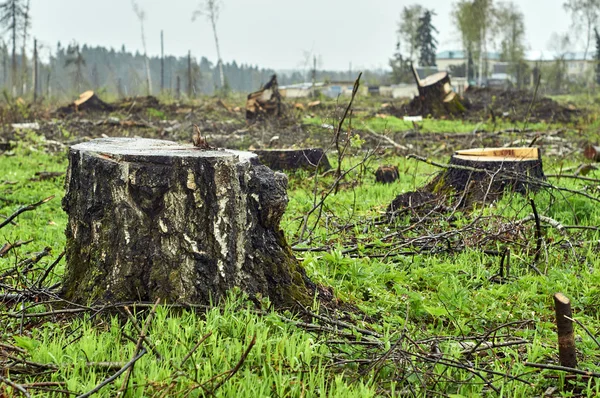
(394, 124)
(420, 296)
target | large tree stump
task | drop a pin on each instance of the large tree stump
(485, 174)
(150, 218)
(294, 159)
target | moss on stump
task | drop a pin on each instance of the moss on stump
(150, 218)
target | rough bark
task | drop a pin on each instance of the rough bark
(294, 159)
(150, 218)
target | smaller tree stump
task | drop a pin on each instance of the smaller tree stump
(155, 219)
(87, 101)
(592, 152)
(294, 159)
(476, 175)
(484, 174)
(264, 102)
(386, 174)
(436, 96)
(566, 338)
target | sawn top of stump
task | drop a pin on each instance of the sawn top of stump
(498, 154)
(156, 151)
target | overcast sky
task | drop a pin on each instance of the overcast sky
(268, 33)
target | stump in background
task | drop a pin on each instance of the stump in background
(592, 152)
(485, 174)
(436, 96)
(386, 174)
(294, 159)
(150, 218)
(264, 102)
(478, 175)
(87, 101)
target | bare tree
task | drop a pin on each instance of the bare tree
(585, 14)
(11, 17)
(511, 29)
(76, 59)
(475, 21)
(211, 9)
(407, 29)
(141, 15)
(26, 26)
(162, 62)
(560, 45)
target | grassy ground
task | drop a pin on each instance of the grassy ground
(424, 308)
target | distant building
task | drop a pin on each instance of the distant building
(446, 59)
(577, 67)
(331, 89)
(300, 90)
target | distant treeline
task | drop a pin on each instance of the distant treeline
(73, 69)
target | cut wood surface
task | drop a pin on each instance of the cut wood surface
(151, 218)
(499, 154)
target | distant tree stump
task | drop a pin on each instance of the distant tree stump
(87, 101)
(294, 159)
(386, 174)
(150, 218)
(484, 174)
(265, 102)
(436, 96)
(592, 152)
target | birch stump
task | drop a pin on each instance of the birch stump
(151, 218)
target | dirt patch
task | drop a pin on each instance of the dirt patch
(491, 104)
(484, 103)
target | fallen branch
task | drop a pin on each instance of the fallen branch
(16, 386)
(388, 140)
(562, 369)
(229, 374)
(113, 377)
(138, 347)
(24, 209)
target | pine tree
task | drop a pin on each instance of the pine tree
(426, 42)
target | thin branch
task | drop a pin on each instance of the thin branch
(113, 377)
(24, 209)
